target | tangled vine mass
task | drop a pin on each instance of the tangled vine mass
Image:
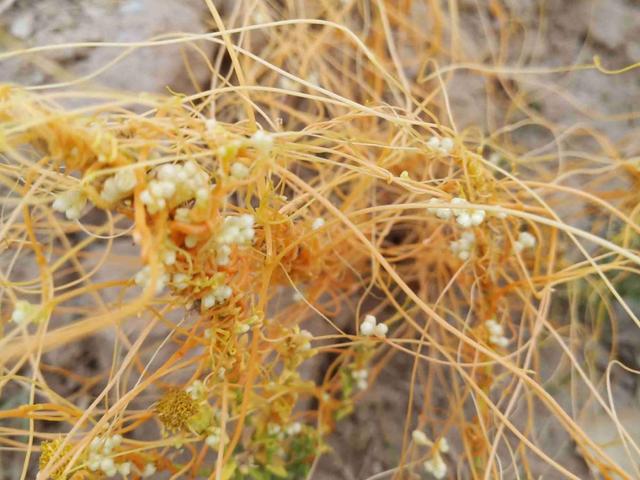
(254, 256)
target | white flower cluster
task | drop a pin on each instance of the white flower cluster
(70, 203)
(177, 183)
(361, 378)
(99, 456)
(369, 326)
(442, 145)
(436, 465)
(462, 248)
(525, 240)
(496, 333)
(219, 294)
(465, 217)
(235, 230)
(442, 213)
(149, 469)
(168, 257)
(23, 312)
(118, 186)
(143, 277)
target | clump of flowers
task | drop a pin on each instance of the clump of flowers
(101, 458)
(496, 333)
(465, 217)
(119, 186)
(71, 203)
(435, 465)
(175, 184)
(370, 326)
(442, 145)
(463, 247)
(525, 240)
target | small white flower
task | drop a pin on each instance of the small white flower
(96, 443)
(125, 180)
(237, 230)
(434, 142)
(441, 145)
(169, 257)
(446, 145)
(369, 326)
(149, 469)
(420, 438)
(462, 247)
(464, 220)
(436, 466)
(190, 241)
(496, 333)
(71, 203)
(202, 195)
(318, 223)
(213, 440)
(23, 312)
(380, 330)
(180, 281)
(216, 296)
(181, 215)
(94, 461)
(527, 240)
(477, 217)
(294, 429)
(110, 190)
(443, 445)
(124, 469)
(168, 172)
(404, 174)
(223, 253)
(107, 464)
(143, 277)
(239, 171)
(441, 212)
(262, 141)
(361, 378)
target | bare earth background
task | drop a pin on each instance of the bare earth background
(572, 33)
